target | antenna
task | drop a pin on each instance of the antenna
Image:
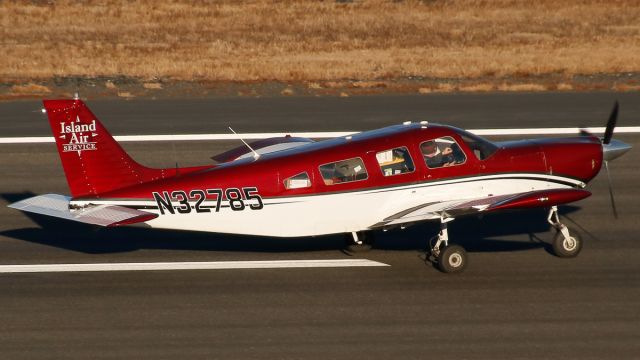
(255, 154)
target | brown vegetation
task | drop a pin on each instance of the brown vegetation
(319, 41)
(29, 89)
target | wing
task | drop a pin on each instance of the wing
(104, 215)
(524, 200)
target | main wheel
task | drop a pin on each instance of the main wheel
(452, 259)
(367, 242)
(569, 247)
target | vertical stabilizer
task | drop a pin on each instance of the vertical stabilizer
(93, 161)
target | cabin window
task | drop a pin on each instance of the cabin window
(343, 171)
(442, 152)
(299, 181)
(395, 161)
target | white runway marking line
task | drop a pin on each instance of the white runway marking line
(212, 265)
(320, 135)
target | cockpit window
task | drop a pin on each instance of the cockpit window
(395, 161)
(343, 171)
(441, 152)
(299, 181)
(482, 148)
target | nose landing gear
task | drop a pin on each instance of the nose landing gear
(566, 243)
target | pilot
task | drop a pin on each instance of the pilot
(344, 173)
(434, 157)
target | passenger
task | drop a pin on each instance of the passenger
(434, 157)
(457, 154)
(407, 163)
(344, 173)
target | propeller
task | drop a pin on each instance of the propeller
(611, 149)
(613, 200)
(611, 124)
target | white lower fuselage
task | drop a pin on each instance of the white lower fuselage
(341, 212)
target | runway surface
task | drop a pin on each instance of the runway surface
(514, 301)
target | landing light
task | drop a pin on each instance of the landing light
(406, 123)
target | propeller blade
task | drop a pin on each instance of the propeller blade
(611, 124)
(613, 200)
(584, 132)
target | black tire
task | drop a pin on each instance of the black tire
(367, 242)
(567, 248)
(452, 259)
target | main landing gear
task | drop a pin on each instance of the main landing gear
(566, 243)
(449, 258)
(357, 242)
(453, 258)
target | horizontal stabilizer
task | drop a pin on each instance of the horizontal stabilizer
(103, 215)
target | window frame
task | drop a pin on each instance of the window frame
(324, 181)
(406, 148)
(466, 156)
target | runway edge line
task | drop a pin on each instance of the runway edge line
(164, 266)
(319, 135)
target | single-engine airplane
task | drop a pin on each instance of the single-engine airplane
(293, 187)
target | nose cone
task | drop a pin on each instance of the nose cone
(614, 149)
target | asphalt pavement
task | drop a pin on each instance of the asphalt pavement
(515, 299)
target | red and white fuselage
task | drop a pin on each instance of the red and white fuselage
(249, 196)
(294, 187)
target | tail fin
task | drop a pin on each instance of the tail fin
(93, 161)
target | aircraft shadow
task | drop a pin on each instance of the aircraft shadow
(476, 234)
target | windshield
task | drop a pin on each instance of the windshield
(482, 148)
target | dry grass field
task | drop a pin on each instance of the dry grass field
(316, 41)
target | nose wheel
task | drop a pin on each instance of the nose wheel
(450, 259)
(567, 243)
